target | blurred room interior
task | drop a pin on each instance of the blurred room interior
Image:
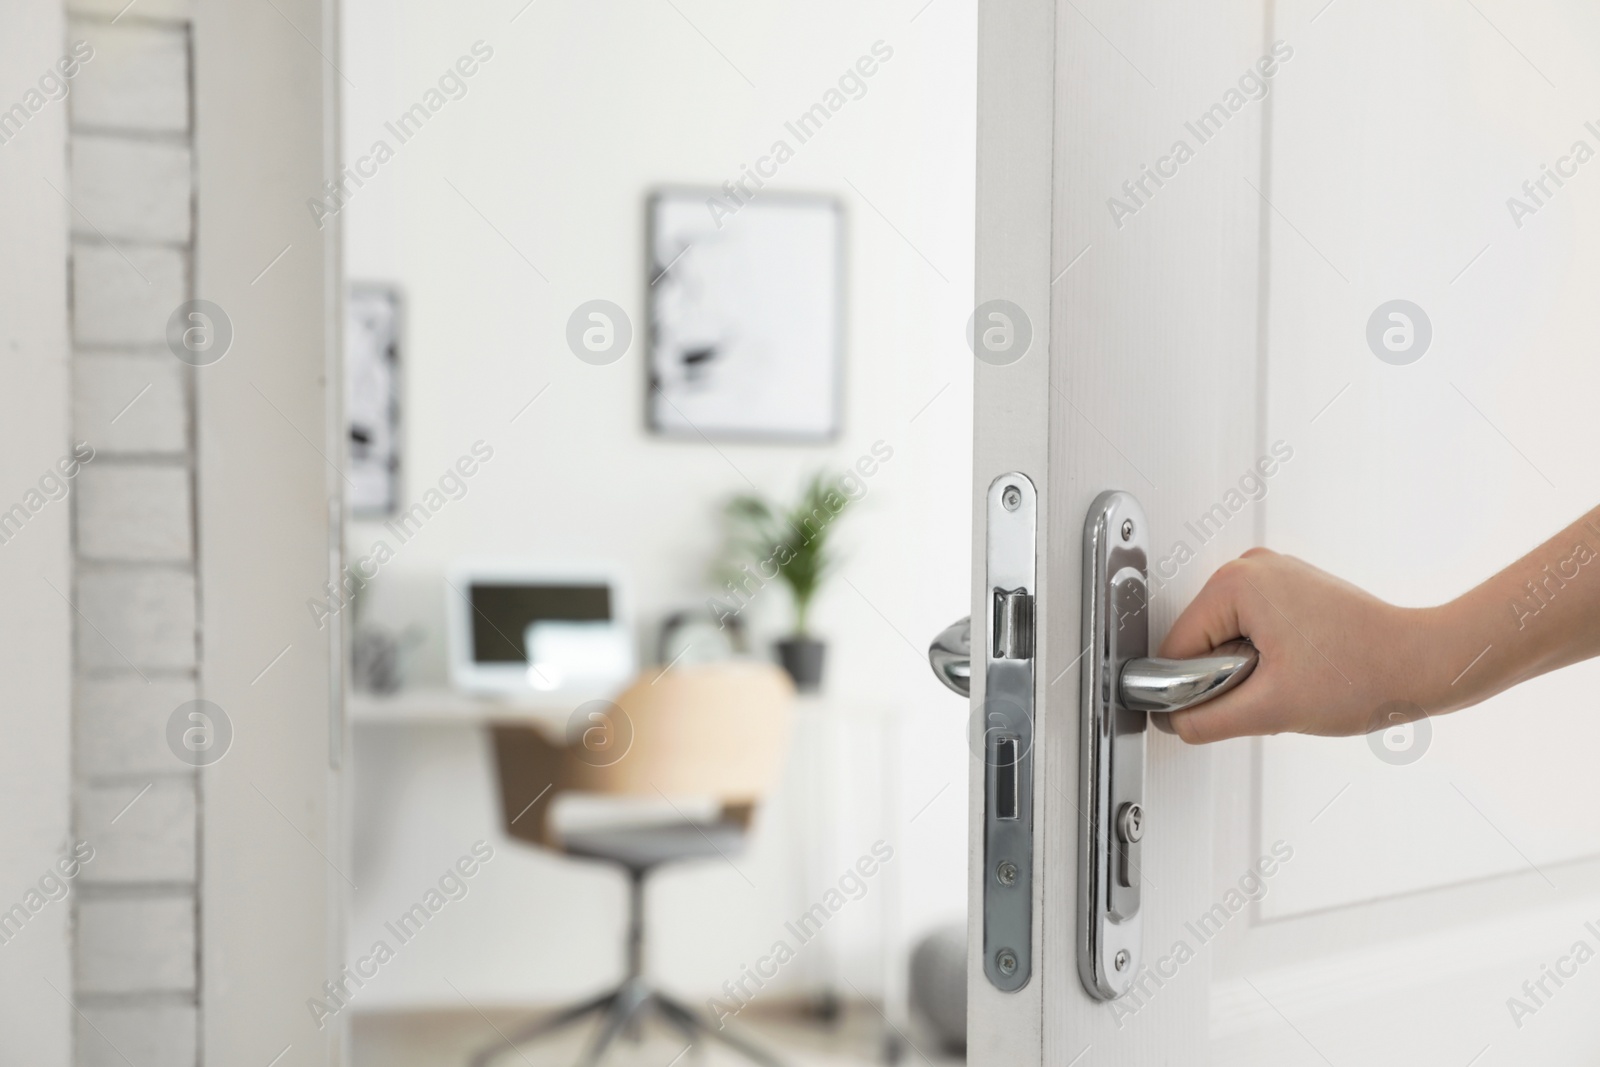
(586, 140)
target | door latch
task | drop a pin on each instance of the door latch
(1004, 732)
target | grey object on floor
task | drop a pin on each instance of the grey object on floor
(938, 984)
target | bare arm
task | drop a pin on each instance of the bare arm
(1336, 660)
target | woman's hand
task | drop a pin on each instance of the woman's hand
(1334, 659)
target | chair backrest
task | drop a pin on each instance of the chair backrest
(715, 730)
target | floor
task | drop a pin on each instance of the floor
(448, 1038)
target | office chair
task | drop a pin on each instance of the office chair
(714, 729)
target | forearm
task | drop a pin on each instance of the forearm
(1537, 615)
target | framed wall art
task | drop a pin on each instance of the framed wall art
(746, 316)
(372, 397)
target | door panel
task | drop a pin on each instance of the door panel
(1420, 480)
(1424, 894)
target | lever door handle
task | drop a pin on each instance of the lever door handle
(950, 656)
(1147, 683)
(1150, 683)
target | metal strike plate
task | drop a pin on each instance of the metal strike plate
(1004, 732)
(1116, 629)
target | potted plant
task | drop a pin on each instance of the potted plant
(794, 546)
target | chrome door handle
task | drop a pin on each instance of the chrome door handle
(1150, 683)
(950, 656)
(1147, 683)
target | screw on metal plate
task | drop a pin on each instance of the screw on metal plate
(1006, 960)
(1121, 960)
(1011, 498)
(1007, 873)
(1127, 529)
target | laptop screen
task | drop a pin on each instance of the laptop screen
(502, 613)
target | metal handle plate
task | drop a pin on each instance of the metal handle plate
(1121, 685)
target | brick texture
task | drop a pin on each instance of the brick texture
(123, 295)
(140, 833)
(137, 80)
(125, 403)
(126, 189)
(148, 1035)
(138, 945)
(119, 725)
(134, 511)
(138, 619)
(132, 190)
(169, 10)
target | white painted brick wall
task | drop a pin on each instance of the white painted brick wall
(143, 616)
(138, 78)
(126, 189)
(124, 295)
(134, 511)
(119, 724)
(140, 945)
(146, 836)
(125, 403)
(132, 189)
(153, 1035)
(173, 10)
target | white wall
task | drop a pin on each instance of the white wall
(36, 627)
(582, 109)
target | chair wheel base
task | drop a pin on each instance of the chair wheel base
(623, 1010)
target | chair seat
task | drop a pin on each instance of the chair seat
(641, 847)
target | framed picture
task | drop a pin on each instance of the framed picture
(746, 316)
(372, 397)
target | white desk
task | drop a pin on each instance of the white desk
(429, 706)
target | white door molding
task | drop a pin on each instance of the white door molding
(273, 871)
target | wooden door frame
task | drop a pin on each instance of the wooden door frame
(268, 453)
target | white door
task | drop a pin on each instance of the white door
(1196, 215)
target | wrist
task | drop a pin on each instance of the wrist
(1419, 663)
(1457, 661)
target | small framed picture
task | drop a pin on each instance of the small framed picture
(372, 397)
(746, 316)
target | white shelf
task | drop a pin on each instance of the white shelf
(441, 705)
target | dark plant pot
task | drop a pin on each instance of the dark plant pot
(802, 658)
